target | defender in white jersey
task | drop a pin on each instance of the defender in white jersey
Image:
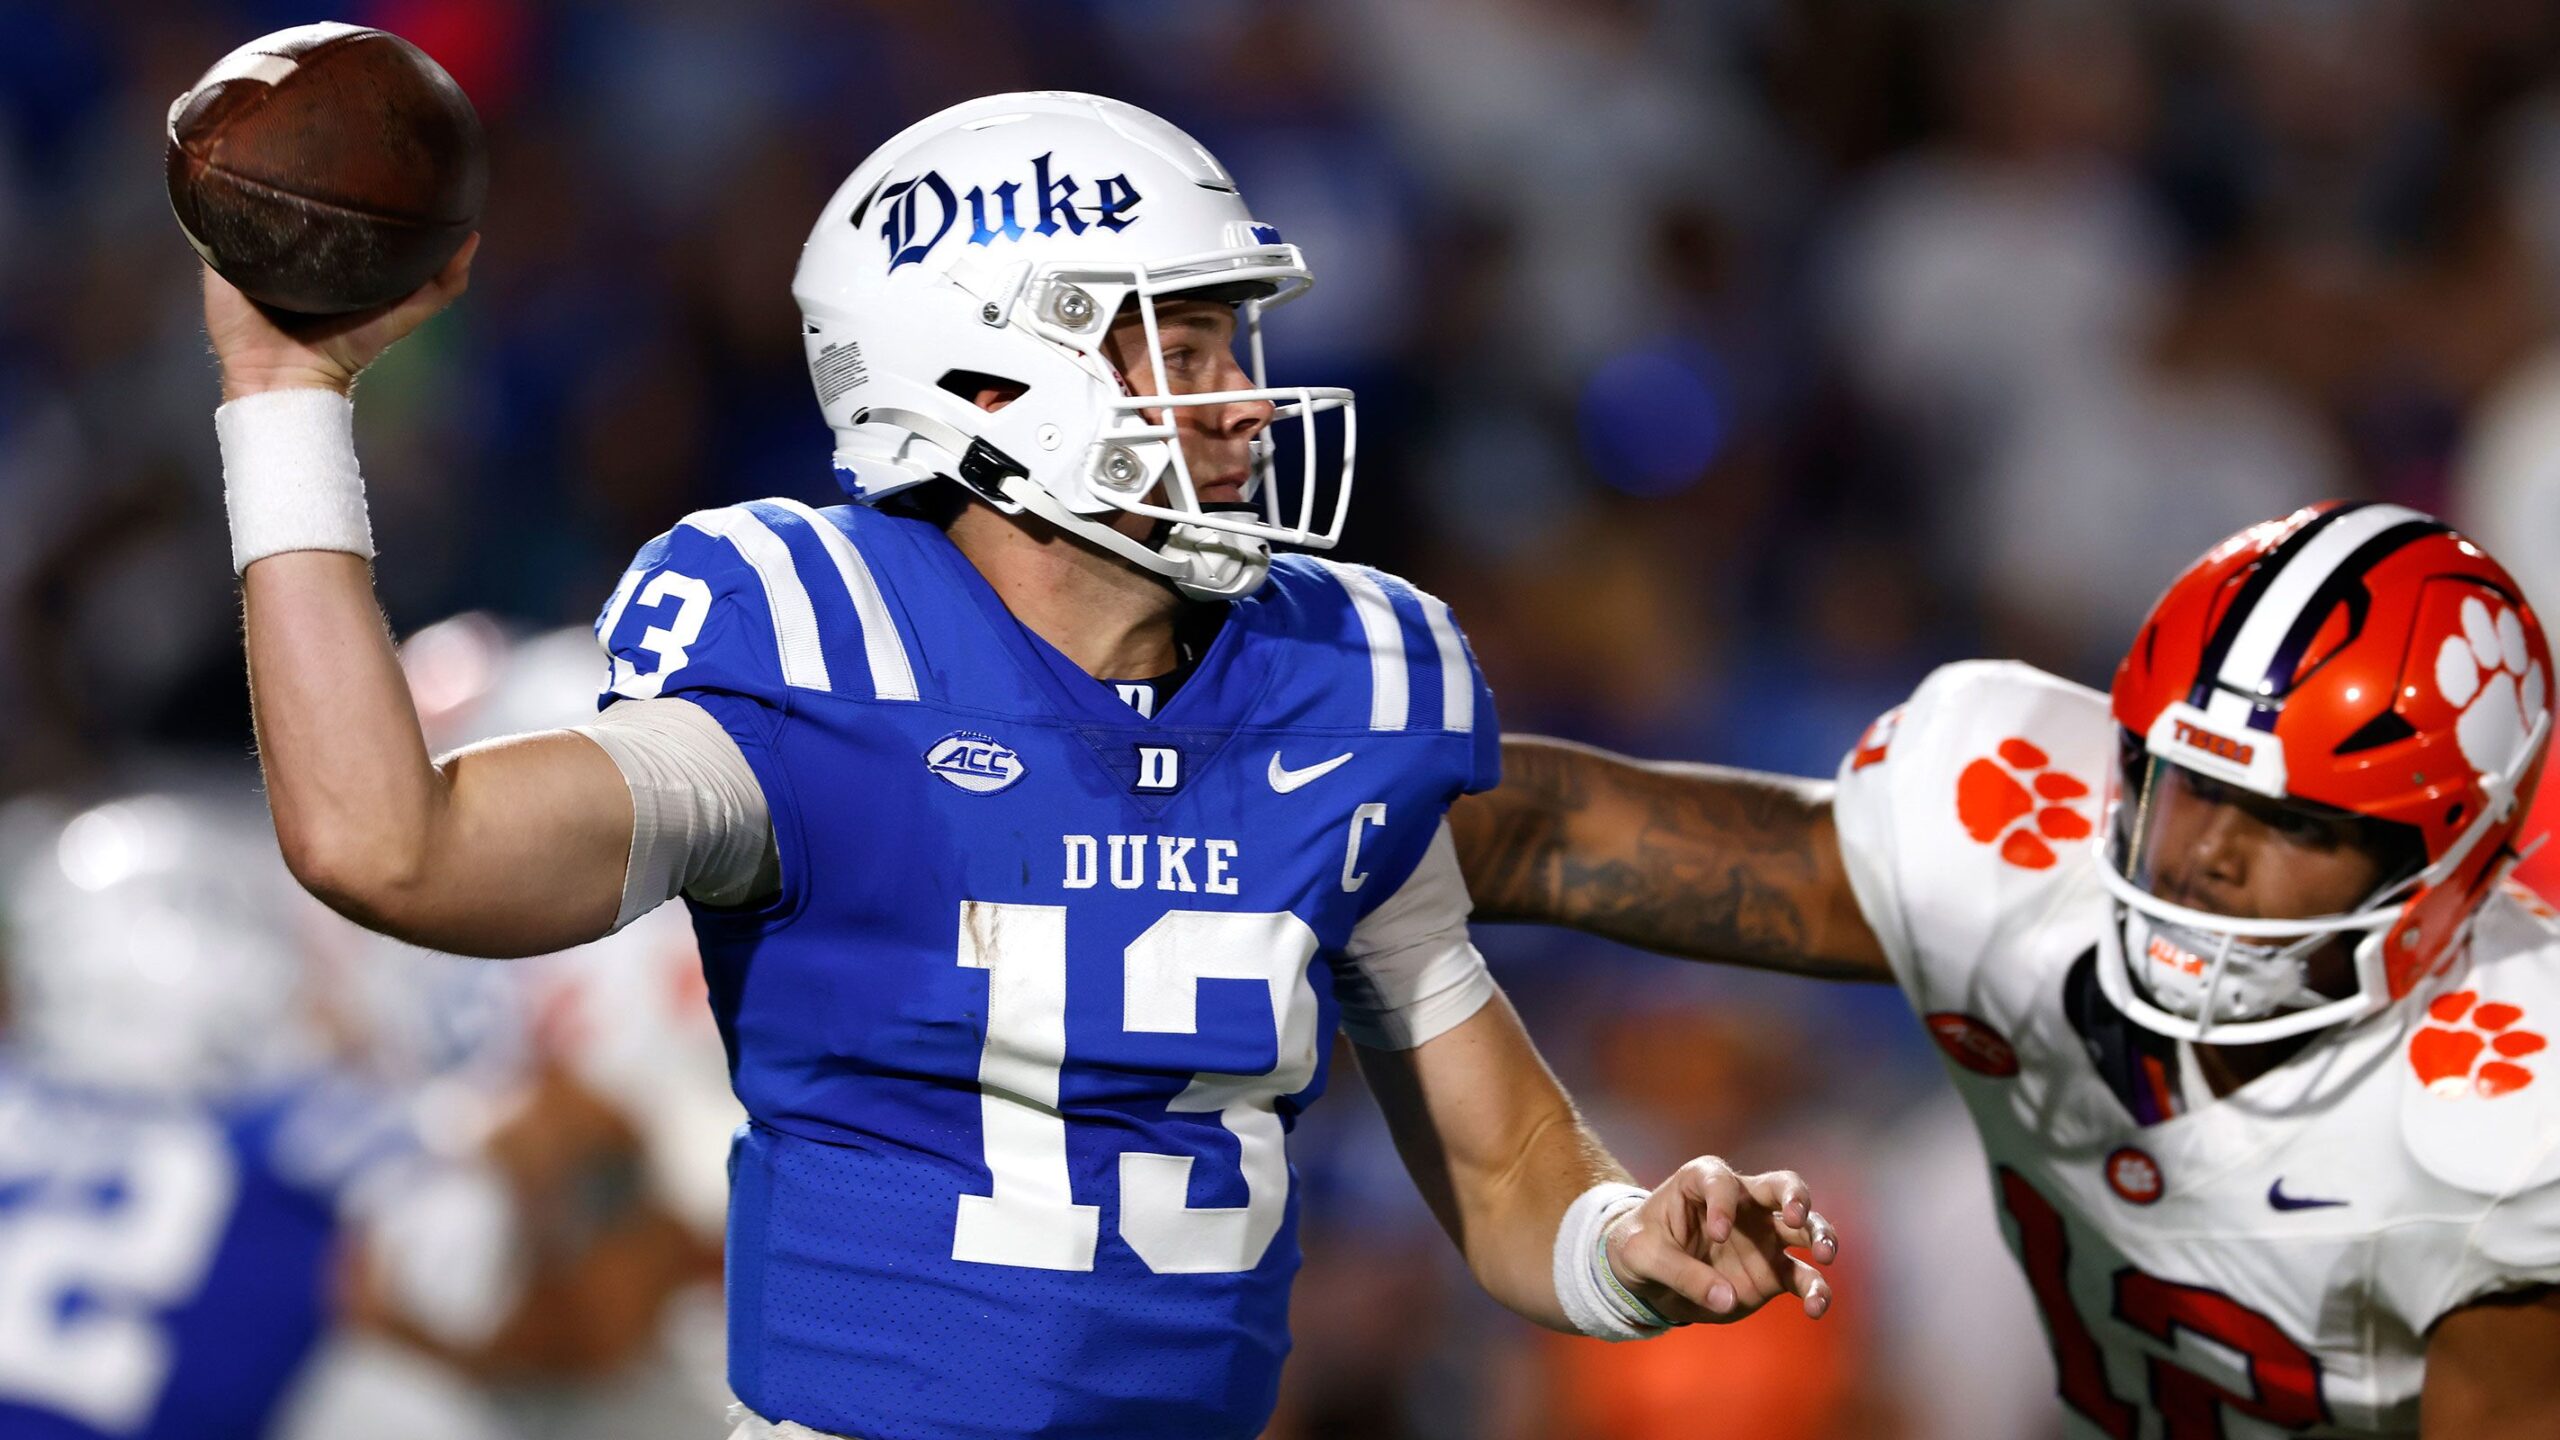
(2232, 979)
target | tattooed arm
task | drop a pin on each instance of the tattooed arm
(1690, 860)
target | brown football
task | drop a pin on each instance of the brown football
(326, 168)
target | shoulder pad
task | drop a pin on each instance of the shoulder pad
(2480, 1078)
(1402, 664)
(1992, 756)
(1980, 789)
(760, 599)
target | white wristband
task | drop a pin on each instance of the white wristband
(289, 477)
(1588, 1290)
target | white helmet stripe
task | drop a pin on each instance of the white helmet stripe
(2253, 649)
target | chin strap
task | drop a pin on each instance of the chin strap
(1202, 562)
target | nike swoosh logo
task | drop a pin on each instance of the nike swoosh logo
(1284, 779)
(2282, 1201)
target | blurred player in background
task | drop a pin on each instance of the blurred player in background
(251, 1188)
(189, 1183)
(597, 1078)
(2262, 1072)
(1014, 805)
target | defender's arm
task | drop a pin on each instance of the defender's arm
(2493, 1370)
(509, 849)
(1691, 860)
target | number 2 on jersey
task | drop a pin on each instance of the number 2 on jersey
(1031, 1219)
(104, 1362)
(2285, 1377)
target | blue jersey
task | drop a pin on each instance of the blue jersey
(165, 1267)
(1048, 981)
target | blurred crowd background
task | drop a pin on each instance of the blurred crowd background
(1725, 363)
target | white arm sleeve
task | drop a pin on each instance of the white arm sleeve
(699, 824)
(1414, 974)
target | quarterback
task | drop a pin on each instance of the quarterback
(2227, 967)
(1040, 827)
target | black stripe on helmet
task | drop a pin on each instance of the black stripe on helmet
(2217, 647)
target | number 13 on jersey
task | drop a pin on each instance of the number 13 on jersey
(1031, 1218)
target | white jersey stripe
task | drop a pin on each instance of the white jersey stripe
(795, 622)
(1389, 687)
(892, 677)
(1457, 682)
(2244, 665)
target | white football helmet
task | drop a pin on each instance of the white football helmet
(1000, 239)
(153, 945)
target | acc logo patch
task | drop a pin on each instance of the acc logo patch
(2472, 1049)
(1972, 1044)
(976, 763)
(2134, 1175)
(2017, 802)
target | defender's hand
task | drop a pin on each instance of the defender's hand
(1710, 1245)
(263, 349)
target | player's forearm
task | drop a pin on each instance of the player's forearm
(1691, 860)
(1513, 1218)
(1495, 1147)
(1504, 1221)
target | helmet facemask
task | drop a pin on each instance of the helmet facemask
(1135, 463)
(2201, 975)
(1137, 456)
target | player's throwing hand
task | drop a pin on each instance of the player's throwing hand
(1709, 1245)
(262, 349)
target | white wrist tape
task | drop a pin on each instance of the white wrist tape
(289, 476)
(1590, 1292)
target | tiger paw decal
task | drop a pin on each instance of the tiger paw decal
(2472, 1049)
(2015, 800)
(2489, 674)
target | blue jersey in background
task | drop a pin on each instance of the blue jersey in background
(165, 1265)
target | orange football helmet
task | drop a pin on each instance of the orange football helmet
(2539, 870)
(2349, 660)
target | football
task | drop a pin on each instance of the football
(327, 168)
